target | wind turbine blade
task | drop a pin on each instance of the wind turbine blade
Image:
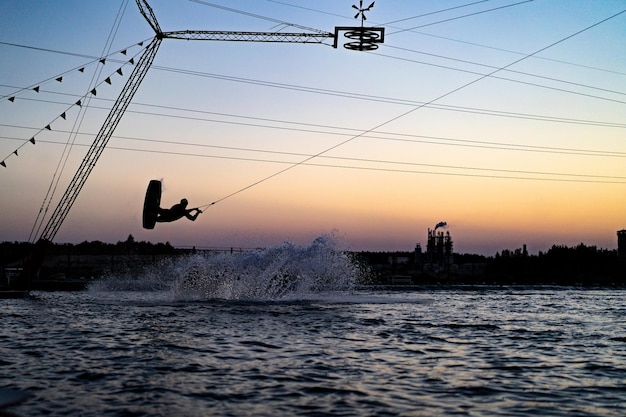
(354, 7)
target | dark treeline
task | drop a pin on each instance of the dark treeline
(14, 251)
(71, 266)
(560, 265)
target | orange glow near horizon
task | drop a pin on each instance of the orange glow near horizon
(295, 141)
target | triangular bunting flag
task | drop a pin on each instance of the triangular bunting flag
(119, 71)
(15, 152)
(108, 80)
(32, 140)
(102, 60)
(140, 44)
(82, 69)
(63, 116)
(78, 103)
(36, 89)
(132, 61)
(48, 127)
(12, 99)
(93, 91)
(59, 79)
(3, 164)
(123, 52)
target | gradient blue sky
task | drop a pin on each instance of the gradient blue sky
(534, 154)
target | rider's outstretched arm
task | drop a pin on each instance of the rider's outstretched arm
(193, 217)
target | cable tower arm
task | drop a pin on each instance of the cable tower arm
(361, 38)
(283, 37)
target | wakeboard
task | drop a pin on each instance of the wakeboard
(151, 204)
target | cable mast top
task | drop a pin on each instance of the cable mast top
(361, 39)
(367, 38)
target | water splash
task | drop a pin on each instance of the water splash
(283, 272)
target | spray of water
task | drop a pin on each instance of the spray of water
(283, 272)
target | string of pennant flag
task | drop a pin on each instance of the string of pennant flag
(59, 78)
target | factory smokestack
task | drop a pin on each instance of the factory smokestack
(440, 224)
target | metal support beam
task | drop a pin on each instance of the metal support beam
(283, 37)
(101, 140)
(147, 12)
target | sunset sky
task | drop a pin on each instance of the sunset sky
(504, 118)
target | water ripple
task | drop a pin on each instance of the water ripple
(489, 353)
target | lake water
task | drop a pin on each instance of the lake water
(184, 340)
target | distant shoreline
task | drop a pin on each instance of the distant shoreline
(71, 267)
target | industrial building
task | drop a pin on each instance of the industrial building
(439, 251)
(621, 247)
